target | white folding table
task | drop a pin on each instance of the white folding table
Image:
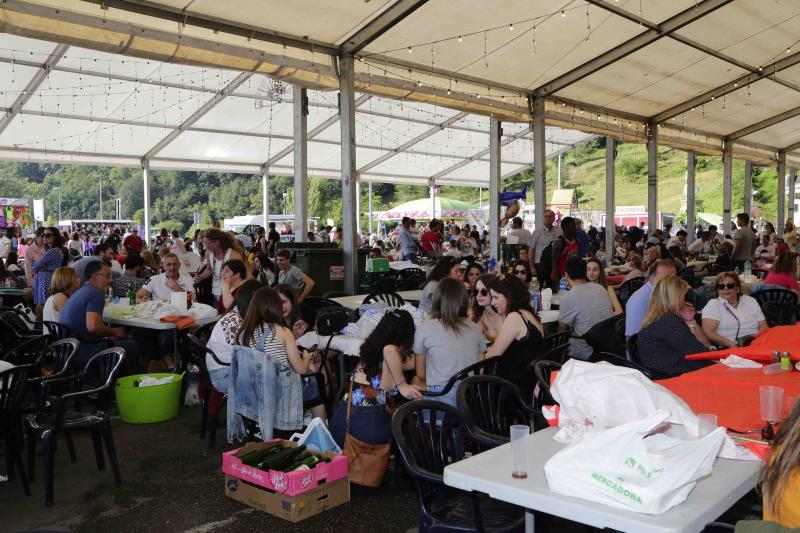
(490, 472)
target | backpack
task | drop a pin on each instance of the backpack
(546, 261)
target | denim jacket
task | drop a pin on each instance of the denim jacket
(263, 389)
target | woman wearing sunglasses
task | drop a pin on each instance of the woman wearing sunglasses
(54, 257)
(669, 331)
(732, 315)
(522, 271)
(471, 275)
(482, 312)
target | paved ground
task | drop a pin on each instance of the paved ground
(170, 483)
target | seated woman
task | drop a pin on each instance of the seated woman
(780, 481)
(65, 282)
(11, 262)
(223, 336)
(677, 257)
(264, 269)
(669, 331)
(234, 273)
(782, 273)
(724, 252)
(521, 338)
(447, 341)
(522, 271)
(151, 265)
(446, 267)
(481, 310)
(378, 379)
(595, 273)
(636, 265)
(732, 315)
(471, 275)
(522, 253)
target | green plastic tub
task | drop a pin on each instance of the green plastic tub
(146, 405)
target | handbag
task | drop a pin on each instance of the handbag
(332, 320)
(203, 290)
(368, 462)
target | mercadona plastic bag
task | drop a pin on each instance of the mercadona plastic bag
(623, 467)
(317, 437)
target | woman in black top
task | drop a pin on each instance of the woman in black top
(521, 338)
(669, 331)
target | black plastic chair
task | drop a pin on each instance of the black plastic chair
(209, 420)
(391, 299)
(413, 283)
(481, 367)
(780, 313)
(386, 284)
(552, 356)
(12, 389)
(54, 361)
(491, 405)
(11, 300)
(13, 332)
(615, 359)
(543, 371)
(430, 435)
(95, 384)
(627, 289)
(775, 295)
(55, 330)
(632, 345)
(558, 340)
(28, 351)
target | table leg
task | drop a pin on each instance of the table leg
(530, 525)
(175, 354)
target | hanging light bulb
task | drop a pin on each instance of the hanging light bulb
(511, 27)
(410, 50)
(460, 39)
(563, 14)
(789, 50)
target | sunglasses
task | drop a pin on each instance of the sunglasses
(482, 292)
(523, 272)
(722, 286)
(47, 235)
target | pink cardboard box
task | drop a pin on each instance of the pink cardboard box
(289, 483)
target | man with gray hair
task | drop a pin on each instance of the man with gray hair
(161, 286)
(541, 237)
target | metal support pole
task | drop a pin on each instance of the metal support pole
(432, 190)
(265, 196)
(748, 187)
(611, 155)
(652, 177)
(691, 201)
(495, 132)
(781, 193)
(358, 211)
(558, 186)
(146, 180)
(347, 112)
(792, 181)
(727, 179)
(101, 203)
(300, 112)
(539, 161)
(369, 203)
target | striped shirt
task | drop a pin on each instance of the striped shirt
(273, 347)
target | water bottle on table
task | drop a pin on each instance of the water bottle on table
(536, 295)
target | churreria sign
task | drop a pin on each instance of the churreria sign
(616, 487)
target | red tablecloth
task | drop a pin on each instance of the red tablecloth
(777, 339)
(732, 393)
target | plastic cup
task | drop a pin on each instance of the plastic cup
(546, 305)
(771, 403)
(519, 464)
(706, 423)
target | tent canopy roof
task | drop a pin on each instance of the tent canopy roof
(700, 71)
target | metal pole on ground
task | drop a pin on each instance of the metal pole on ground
(691, 163)
(539, 161)
(652, 177)
(146, 181)
(432, 188)
(300, 113)
(265, 195)
(495, 131)
(748, 186)
(611, 155)
(781, 193)
(792, 181)
(347, 112)
(369, 203)
(727, 178)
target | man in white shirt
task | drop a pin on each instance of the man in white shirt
(5, 246)
(765, 250)
(523, 235)
(678, 240)
(699, 245)
(161, 286)
(540, 238)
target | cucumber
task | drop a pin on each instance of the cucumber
(255, 457)
(282, 459)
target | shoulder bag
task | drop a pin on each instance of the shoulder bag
(368, 462)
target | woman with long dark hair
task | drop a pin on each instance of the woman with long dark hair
(379, 377)
(446, 267)
(447, 341)
(290, 310)
(264, 269)
(595, 273)
(483, 313)
(55, 256)
(471, 275)
(521, 339)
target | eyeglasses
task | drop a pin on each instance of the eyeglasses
(722, 286)
(45, 235)
(522, 271)
(482, 292)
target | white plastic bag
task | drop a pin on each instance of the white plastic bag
(624, 468)
(29, 313)
(595, 397)
(317, 437)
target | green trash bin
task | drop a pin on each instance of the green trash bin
(324, 263)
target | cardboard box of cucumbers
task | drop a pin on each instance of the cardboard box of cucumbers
(284, 466)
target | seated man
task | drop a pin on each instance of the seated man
(102, 252)
(583, 306)
(132, 276)
(292, 276)
(83, 315)
(161, 286)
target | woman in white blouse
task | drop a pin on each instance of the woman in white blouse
(732, 315)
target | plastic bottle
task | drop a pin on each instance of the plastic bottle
(776, 357)
(492, 264)
(536, 295)
(786, 362)
(131, 294)
(562, 285)
(748, 272)
(110, 295)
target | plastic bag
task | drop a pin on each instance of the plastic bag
(595, 397)
(317, 437)
(625, 468)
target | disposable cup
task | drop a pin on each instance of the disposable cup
(519, 465)
(771, 403)
(546, 305)
(706, 423)
(774, 368)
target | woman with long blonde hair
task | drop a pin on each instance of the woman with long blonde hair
(669, 331)
(780, 482)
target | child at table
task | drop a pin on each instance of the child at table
(780, 483)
